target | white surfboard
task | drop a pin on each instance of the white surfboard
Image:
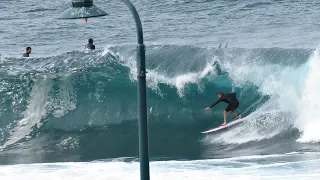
(225, 126)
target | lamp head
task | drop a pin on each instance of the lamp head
(82, 9)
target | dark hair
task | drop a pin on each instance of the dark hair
(90, 41)
(220, 93)
(28, 48)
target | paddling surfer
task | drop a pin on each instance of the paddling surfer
(28, 51)
(233, 104)
(90, 45)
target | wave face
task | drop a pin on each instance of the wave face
(83, 106)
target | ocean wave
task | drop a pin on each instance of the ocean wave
(78, 90)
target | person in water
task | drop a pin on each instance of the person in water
(28, 51)
(233, 104)
(90, 45)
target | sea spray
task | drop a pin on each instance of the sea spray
(308, 120)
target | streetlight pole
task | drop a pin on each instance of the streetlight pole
(142, 97)
(85, 9)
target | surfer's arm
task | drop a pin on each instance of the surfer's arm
(215, 103)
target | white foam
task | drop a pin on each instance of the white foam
(180, 82)
(294, 101)
(242, 168)
(274, 116)
(309, 119)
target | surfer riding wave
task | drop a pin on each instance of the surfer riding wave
(233, 104)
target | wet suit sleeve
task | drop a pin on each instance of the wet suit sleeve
(219, 100)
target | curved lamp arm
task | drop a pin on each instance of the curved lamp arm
(136, 19)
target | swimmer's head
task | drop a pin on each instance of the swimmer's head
(28, 50)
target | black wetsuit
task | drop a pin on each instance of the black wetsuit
(91, 46)
(25, 55)
(231, 99)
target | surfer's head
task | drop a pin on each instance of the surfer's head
(220, 94)
(28, 50)
(90, 41)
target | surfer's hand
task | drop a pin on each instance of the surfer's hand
(207, 108)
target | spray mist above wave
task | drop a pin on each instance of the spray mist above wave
(175, 66)
(308, 120)
(278, 110)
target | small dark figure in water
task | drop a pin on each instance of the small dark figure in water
(28, 51)
(90, 45)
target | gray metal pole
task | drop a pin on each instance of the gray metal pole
(142, 97)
